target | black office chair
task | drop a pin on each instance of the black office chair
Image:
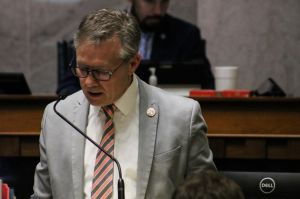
(67, 83)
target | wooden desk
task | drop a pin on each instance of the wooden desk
(20, 118)
(247, 128)
(253, 128)
(267, 117)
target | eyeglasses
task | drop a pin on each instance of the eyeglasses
(97, 74)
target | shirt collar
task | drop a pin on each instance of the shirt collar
(128, 100)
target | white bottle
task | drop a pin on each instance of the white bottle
(152, 78)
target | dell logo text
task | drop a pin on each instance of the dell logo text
(267, 185)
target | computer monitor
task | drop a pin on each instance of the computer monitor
(174, 73)
(13, 83)
(267, 185)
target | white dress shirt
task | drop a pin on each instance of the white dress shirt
(126, 123)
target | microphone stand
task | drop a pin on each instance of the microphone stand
(121, 187)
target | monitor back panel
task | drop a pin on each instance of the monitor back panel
(13, 83)
(267, 185)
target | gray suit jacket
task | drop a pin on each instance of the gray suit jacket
(172, 146)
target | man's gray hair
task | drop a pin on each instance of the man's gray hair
(104, 24)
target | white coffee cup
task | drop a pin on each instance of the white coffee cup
(226, 77)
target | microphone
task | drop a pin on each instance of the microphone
(121, 187)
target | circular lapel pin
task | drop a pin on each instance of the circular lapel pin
(151, 112)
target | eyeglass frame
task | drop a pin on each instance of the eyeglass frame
(92, 71)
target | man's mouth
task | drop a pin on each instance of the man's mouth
(151, 23)
(95, 94)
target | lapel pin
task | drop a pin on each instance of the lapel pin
(151, 112)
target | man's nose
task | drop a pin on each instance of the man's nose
(90, 80)
(157, 8)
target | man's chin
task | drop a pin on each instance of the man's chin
(150, 27)
(96, 99)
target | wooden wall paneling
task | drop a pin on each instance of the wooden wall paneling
(245, 148)
(9, 146)
(29, 146)
(283, 149)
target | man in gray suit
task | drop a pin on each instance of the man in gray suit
(159, 139)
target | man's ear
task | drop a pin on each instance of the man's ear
(134, 63)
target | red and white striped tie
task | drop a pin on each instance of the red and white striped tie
(102, 187)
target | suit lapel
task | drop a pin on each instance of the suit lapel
(147, 139)
(80, 114)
